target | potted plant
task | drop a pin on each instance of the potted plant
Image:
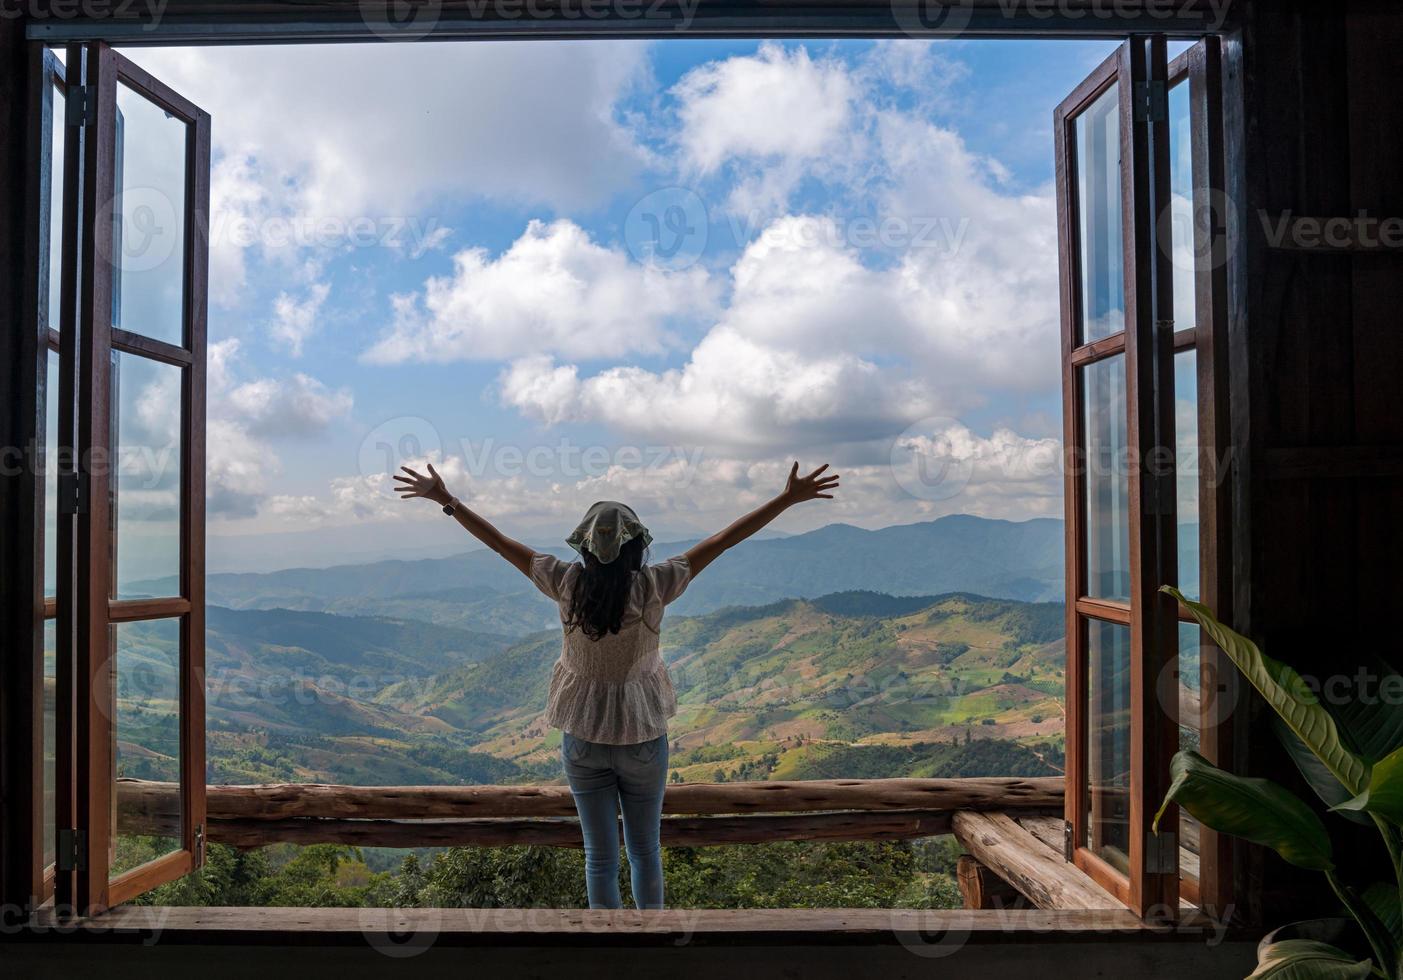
(1351, 754)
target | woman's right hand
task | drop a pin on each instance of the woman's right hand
(429, 487)
(812, 487)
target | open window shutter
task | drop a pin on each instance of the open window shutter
(1117, 362)
(140, 262)
(1200, 222)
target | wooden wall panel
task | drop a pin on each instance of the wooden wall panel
(1319, 338)
(21, 502)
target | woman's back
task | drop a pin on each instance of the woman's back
(614, 690)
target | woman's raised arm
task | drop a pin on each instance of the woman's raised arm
(797, 489)
(432, 487)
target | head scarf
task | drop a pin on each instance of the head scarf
(607, 527)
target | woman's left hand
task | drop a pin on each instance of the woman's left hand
(429, 487)
(815, 486)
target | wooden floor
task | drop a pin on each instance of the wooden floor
(679, 944)
(788, 924)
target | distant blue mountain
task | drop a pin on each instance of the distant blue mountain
(1000, 559)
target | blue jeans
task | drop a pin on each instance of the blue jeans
(603, 778)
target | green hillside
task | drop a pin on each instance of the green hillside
(770, 683)
(849, 684)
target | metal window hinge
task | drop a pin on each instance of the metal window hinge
(71, 852)
(1161, 853)
(1151, 102)
(73, 493)
(80, 105)
(199, 845)
(1069, 841)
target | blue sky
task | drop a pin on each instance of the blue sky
(448, 251)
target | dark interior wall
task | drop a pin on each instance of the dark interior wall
(1324, 138)
(1317, 356)
(20, 399)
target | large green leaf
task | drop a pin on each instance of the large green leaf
(1370, 724)
(1370, 719)
(1287, 693)
(1257, 810)
(1384, 793)
(1382, 899)
(1330, 790)
(1306, 959)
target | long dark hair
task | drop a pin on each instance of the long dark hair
(600, 593)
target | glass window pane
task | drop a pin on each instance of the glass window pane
(56, 209)
(1102, 255)
(146, 485)
(1181, 203)
(146, 735)
(1106, 798)
(1107, 480)
(1189, 690)
(51, 476)
(1189, 468)
(50, 741)
(149, 224)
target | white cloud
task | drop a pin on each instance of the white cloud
(243, 415)
(767, 119)
(237, 468)
(775, 106)
(986, 299)
(298, 405)
(294, 320)
(828, 342)
(388, 132)
(553, 290)
(814, 348)
(732, 393)
(237, 198)
(397, 126)
(366, 497)
(932, 288)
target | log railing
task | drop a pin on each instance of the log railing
(697, 814)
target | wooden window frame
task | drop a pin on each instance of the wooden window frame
(1210, 342)
(26, 769)
(90, 763)
(1148, 343)
(1200, 67)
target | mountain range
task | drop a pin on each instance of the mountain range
(1000, 559)
(840, 650)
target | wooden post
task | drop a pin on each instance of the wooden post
(982, 889)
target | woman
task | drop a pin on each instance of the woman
(609, 691)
